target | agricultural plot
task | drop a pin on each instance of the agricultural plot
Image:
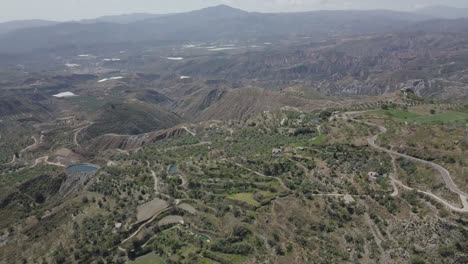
(456, 117)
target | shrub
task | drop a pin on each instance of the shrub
(39, 198)
(416, 259)
(446, 251)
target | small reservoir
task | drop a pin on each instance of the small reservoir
(173, 169)
(82, 168)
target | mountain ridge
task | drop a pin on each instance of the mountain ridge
(220, 23)
(445, 12)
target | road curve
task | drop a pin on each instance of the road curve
(443, 172)
(263, 175)
(75, 136)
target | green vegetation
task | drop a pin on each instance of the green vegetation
(318, 140)
(416, 259)
(251, 198)
(150, 258)
(14, 178)
(240, 195)
(398, 114)
(245, 197)
(131, 119)
(225, 258)
(456, 117)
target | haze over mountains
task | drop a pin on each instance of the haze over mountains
(232, 137)
(444, 12)
(216, 23)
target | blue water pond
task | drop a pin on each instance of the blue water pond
(82, 168)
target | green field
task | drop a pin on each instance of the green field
(318, 140)
(245, 197)
(457, 117)
(249, 197)
(314, 141)
(150, 258)
(11, 179)
(225, 258)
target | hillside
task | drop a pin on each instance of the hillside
(130, 119)
(213, 192)
(221, 136)
(11, 26)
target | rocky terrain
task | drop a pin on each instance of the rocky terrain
(343, 143)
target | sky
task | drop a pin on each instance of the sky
(67, 10)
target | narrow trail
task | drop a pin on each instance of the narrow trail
(75, 136)
(443, 172)
(393, 177)
(188, 131)
(36, 143)
(263, 175)
(12, 160)
(378, 237)
(125, 152)
(143, 226)
(156, 183)
(152, 218)
(176, 202)
(45, 159)
(184, 178)
(184, 146)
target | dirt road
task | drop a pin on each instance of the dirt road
(443, 172)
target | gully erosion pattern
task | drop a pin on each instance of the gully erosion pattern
(443, 172)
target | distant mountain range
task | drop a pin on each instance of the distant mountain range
(22, 24)
(444, 12)
(218, 23)
(122, 19)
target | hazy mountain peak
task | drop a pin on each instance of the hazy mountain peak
(20, 24)
(221, 10)
(445, 12)
(123, 19)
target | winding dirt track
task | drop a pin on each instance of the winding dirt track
(154, 216)
(443, 172)
(12, 160)
(35, 144)
(45, 159)
(75, 136)
(188, 131)
(141, 228)
(263, 175)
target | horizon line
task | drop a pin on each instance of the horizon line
(214, 6)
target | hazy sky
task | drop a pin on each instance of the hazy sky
(64, 10)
